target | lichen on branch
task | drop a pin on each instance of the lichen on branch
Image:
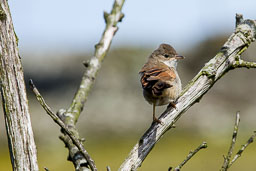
(225, 60)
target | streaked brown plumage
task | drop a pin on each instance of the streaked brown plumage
(159, 79)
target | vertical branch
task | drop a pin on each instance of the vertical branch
(227, 158)
(71, 115)
(94, 64)
(15, 104)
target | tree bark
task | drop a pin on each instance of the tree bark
(15, 104)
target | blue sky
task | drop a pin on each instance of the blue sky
(49, 25)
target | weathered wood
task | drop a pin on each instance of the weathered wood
(227, 158)
(94, 64)
(70, 116)
(15, 104)
(241, 150)
(228, 58)
(64, 128)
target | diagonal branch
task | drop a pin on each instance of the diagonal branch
(227, 158)
(94, 64)
(239, 153)
(237, 43)
(190, 155)
(71, 115)
(57, 120)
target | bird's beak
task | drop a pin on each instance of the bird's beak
(179, 57)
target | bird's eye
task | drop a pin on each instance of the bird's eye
(166, 55)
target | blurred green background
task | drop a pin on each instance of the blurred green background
(116, 114)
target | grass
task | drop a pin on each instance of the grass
(170, 151)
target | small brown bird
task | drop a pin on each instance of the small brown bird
(159, 78)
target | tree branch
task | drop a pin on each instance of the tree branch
(244, 64)
(70, 116)
(57, 120)
(223, 62)
(20, 137)
(190, 155)
(46, 169)
(94, 64)
(108, 168)
(241, 150)
(227, 158)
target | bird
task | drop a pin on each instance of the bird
(160, 81)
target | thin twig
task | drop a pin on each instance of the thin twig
(57, 120)
(46, 169)
(227, 158)
(108, 168)
(241, 150)
(190, 155)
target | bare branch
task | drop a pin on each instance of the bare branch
(62, 125)
(194, 91)
(71, 115)
(190, 155)
(241, 150)
(108, 168)
(46, 169)
(239, 19)
(94, 64)
(227, 158)
(244, 64)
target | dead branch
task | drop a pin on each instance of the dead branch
(227, 158)
(70, 116)
(190, 155)
(241, 150)
(65, 129)
(228, 58)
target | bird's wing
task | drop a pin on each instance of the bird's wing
(156, 78)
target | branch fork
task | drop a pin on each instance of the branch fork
(67, 118)
(228, 58)
(227, 159)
